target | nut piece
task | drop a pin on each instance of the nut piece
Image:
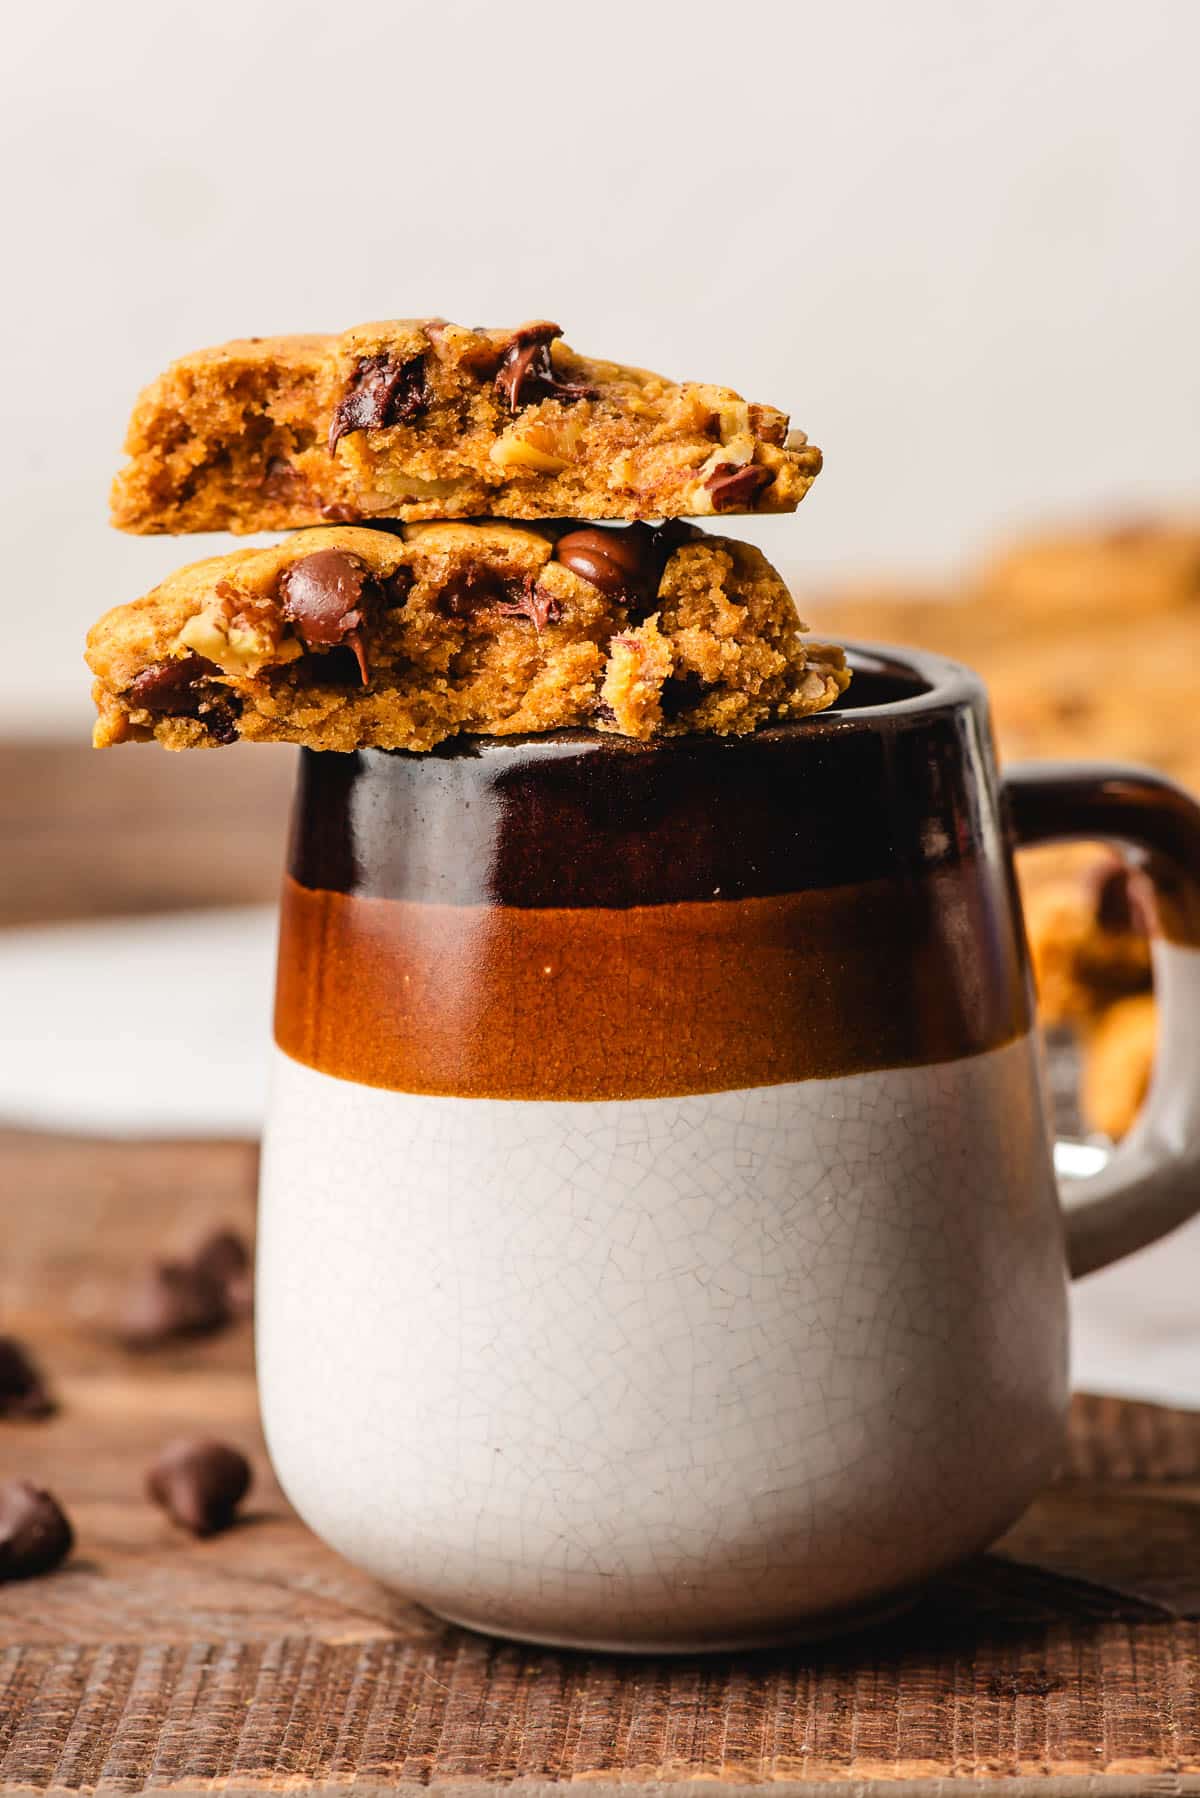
(731, 487)
(199, 1483)
(732, 415)
(35, 1533)
(532, 448)
(235, 647)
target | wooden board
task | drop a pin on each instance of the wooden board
(259, 1661)
(89, 833)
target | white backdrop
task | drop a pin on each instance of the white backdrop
(958, 241)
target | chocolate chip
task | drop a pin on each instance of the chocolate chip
(469, 590)
(170, 688)
(199, 1483)
(541, 608)
(189, 1296)
(219, 717)
(35, 1534)
(380, 392)
(178, 688)
(526, 372)
(331, 668)
(221, 1256)
(603, 713)
(628, 561)
(395, 587)
(681, 693)
(170, 1301)
(325, 596)
(285, 483)
(23, 1391)
(731, 487)
(321, 595)
(224, 1258)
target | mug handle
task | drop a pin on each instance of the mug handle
(1151, 1182)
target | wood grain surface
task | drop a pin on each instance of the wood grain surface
(90, 833)
(258, 1661)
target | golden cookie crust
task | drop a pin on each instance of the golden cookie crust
(422, 419)
(1087, 921)
(424, 632)
(1118, 1065)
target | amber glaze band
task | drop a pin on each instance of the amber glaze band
(581, 917)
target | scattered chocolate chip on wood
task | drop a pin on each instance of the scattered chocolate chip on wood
(199, 1482)
(23, 1389)
(225, 1257)
(35, 1533)
(193, 1296)
(169, 1301)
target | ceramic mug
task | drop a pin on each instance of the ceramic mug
(660, 1243)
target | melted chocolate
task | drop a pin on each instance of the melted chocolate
(526, 373)
(380, 392)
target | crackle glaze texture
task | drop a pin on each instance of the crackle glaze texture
(665, 1372)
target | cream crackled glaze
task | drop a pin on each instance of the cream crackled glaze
(664, 1373)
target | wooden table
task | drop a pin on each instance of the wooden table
(1067, 1660)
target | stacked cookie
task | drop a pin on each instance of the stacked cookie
(393, 618)
(1088, 640)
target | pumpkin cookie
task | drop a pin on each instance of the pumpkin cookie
(421, 419)
(347, 638)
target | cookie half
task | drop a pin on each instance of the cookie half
(422, 419)
(348, 637)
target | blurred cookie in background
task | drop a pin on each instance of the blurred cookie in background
(1089, 930)
(1118, 691)
(1124, 570)
(1118, 1062)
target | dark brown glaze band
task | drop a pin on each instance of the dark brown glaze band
(1151, 818)
(894, 783)
(582, 917)
(596, 1002)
